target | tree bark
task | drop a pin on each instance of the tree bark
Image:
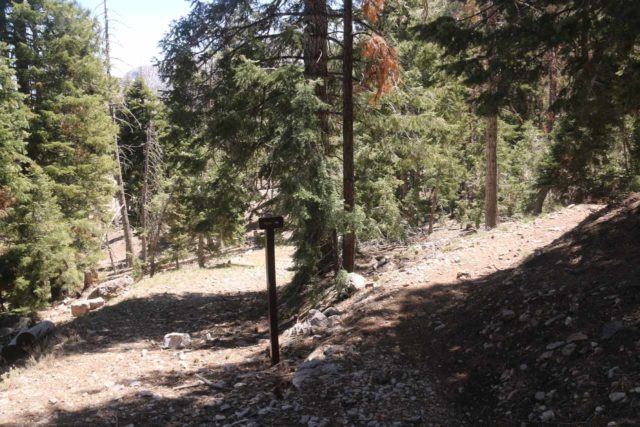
(348, 178)
(122, 198)
(113, 263)
(201, 251)
(434, 203)
(4, 29)
(538, 203)
(491, 180)
(155, 237)
(144, 217)
(316, 59)
(21, 47)
(552, 71)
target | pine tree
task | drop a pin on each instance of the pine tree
(56, 51)
(34, 239)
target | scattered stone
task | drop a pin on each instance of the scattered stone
(611, 328)
(317, 320)
(617, 396)
(568, 349)
(507, 314)
(53, 401)
(546, 355)
(554, 345)
(540, 395)
(96, 303)
(578, 336)
(318, 364)
(547, 416)
(177, 340)
(80, 308)
(553, 320)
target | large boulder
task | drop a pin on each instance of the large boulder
(80, 308)
(96, 303)
(112, 288)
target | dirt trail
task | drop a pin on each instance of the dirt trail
(109, 368)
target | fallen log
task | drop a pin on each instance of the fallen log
(28, 338)
(24, 340)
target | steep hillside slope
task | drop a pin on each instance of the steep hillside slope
(555, 339)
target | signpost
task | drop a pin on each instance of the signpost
(269, 224)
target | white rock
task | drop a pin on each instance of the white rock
(80, 308)
(176, 340)
(547, 416)
(617, 396)
(356, 281)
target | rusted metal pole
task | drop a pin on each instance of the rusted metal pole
(269, 225)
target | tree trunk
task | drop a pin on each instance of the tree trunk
(31, 336)
(144, 220)
(316, 68)
(434, 203)
(4, 29)
(552, 70)
(155, 237)
(91, 278)
(539, 201)
(491, 180)
(316, 59)
(122, 198)
(201, 251)
(21, 51)
(113, 263)
(348, 179)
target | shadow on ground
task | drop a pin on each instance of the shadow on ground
(231, 318)
(564, 324)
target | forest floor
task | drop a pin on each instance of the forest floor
(532, 322)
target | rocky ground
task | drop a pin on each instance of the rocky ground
(529, 323)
